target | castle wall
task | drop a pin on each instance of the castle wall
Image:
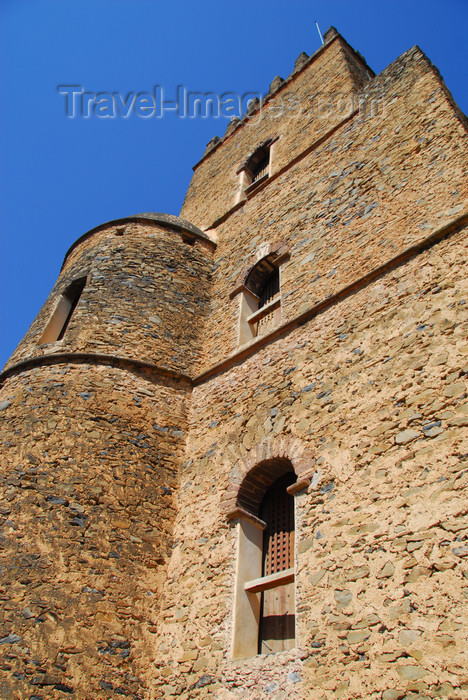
(374, 188)
(90, 456)
(375, 387)
(124, 446)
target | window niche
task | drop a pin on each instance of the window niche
(255, 170)
(264, 602)
(66, 305)
(260, 299)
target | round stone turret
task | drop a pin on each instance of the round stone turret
(139, 290)
(93, 426)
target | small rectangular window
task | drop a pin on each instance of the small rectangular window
(58, 323)
(261, 168)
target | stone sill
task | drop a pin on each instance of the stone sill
(242, 513)
(298, 485)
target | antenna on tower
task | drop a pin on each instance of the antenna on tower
(320, 33)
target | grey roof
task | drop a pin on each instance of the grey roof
(168, 220)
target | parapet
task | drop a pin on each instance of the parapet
(166, 220)
(278, 83)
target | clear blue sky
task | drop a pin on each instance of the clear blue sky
(59, 177)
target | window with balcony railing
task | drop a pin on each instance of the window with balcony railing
(261, 300)
(262, 168)
(258, 167)
(268, 313)
(255, 170)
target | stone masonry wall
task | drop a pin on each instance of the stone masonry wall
(375, 387)
(119, 564)
(145, 298)
(89, 466)
(294, 113)
(375, 187)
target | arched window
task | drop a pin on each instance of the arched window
(264, 606)
(260, 308)
(259, 163)
(61, 317)
(255, 170)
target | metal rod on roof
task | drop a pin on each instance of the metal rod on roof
(320, 33)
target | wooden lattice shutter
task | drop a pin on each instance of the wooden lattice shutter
(278, 513)
(270, 288)
(261, 168)
(277, 616)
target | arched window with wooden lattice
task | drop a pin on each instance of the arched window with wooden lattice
(261, 301)
(264, 606)
(255, 170)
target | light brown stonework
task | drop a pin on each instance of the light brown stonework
(130, 447)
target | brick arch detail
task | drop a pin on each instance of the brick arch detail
(278, 250)
(250, 476)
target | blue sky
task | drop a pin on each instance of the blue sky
(59, 176)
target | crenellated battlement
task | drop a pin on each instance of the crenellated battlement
(302, 62)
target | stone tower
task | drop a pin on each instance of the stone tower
(234, 443)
